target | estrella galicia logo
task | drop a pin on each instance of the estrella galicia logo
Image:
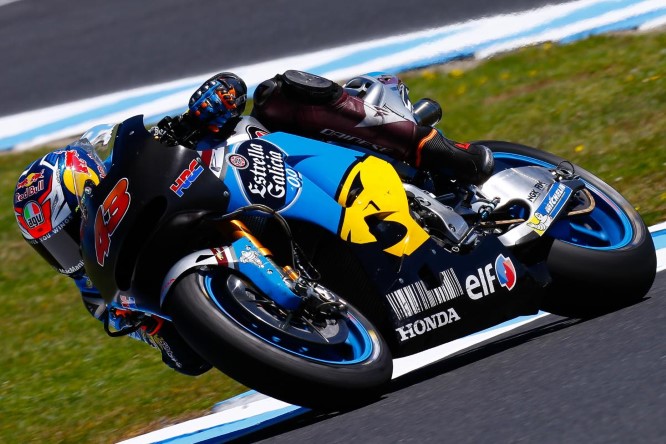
(266, 179)
(506, 272)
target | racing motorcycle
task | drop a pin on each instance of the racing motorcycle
(302, 268)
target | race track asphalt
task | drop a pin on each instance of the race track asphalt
(558, 380)
(57, 51)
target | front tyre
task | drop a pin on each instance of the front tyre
(323, 365)
(599, 262)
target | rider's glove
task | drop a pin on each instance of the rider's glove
(219, 99)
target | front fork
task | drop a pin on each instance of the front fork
(283, 284)
(256, 262)
(246, 254)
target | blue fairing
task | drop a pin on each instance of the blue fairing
(299, 177)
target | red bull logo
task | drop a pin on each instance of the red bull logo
(75, 163)
(31, 185)
(29, 180)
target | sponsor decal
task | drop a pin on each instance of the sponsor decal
(373, 188)
(71, 269)
(77, 173)
(423, 326)
(506, 272)
(30, 191)
(220, 256)
(251, 257)
(551, 206)
(187, 178)
(33, 183)
(483, 282)
(75, 163)
(164, 346)
(266, 179)
(237, 161)
(127, 301)
(535, 192)
(353, 140)
(30, 179)
(417, 297)
(35, 219)
(255, 132)
(32, 213)
(108, 217)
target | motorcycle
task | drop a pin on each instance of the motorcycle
(302, 268)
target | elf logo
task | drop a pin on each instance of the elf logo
(483, 283)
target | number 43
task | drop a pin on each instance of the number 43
(109, 215)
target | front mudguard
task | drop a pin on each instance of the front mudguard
(247, 259)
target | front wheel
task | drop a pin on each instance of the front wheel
(599, 261)
(326, 364)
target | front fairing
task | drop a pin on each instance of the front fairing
(145, 215)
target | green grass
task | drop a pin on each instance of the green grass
(600, 103)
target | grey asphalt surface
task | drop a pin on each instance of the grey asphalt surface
(559, 380)
(56, 51)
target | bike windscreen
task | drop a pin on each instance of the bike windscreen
(98, 143)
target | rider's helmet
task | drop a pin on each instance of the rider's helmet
(46, 202)
(219, 99)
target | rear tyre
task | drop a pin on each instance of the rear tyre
(242, 333)
(599, 262)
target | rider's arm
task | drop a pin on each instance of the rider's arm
(212, 111)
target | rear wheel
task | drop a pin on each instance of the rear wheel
(315, 363)
(599, 261)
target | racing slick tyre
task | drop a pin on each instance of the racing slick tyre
(599, 261)
(323, 365)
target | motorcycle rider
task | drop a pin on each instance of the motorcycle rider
(46, 197)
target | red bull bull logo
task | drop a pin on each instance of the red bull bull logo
(75, 163)
(31, 184)
(29, 180)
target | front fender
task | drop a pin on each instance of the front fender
(211, 257)
(245, 257)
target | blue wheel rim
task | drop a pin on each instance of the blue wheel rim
(357, 347)
(607, 227)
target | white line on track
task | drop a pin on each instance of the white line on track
(6, 2)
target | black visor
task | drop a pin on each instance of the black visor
(61, 249)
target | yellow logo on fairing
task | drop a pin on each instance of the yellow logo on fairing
(372, 189)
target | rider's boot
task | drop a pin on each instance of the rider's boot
(469, 162)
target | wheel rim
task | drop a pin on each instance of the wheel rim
(343, 342)
(607, 227)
